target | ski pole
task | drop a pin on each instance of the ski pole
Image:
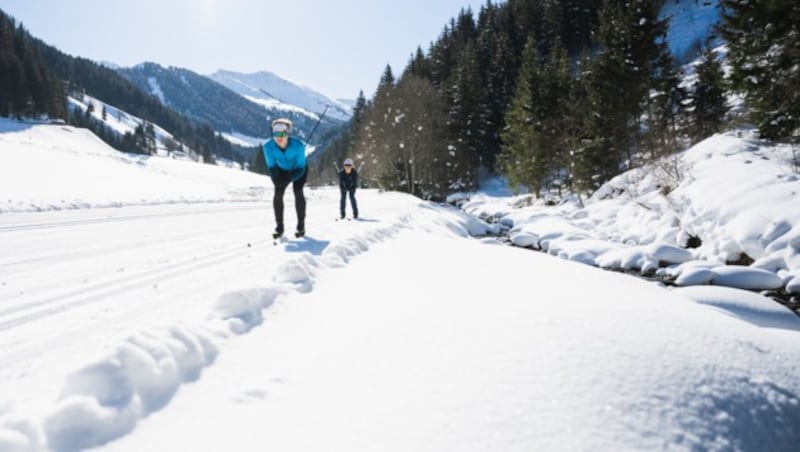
(308, 140)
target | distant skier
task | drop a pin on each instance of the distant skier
(348, 182)
(286, 162)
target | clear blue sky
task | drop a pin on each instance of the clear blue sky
(336, 47)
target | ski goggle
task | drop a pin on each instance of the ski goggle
(280, 134)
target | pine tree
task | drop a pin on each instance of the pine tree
(518, 157)
(373, 131)
(539, 132)
(465, 118)
(27, 87)
(708, 102)
(619, 84)
(150, 138)
(665, 105)
(418, 65)
(499, 66)
(764, 52)
(386, 83)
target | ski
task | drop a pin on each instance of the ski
(277, 239)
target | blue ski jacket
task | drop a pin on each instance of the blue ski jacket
(291, 159)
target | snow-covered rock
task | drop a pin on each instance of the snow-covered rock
(745, 305)
(745, 278)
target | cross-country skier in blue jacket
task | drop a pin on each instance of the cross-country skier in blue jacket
(286, 162)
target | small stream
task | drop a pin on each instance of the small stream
(791, 301)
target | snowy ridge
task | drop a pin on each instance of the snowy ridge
(105, 399)
(281, 94)
(271, 104)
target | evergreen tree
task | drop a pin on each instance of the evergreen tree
(359, 107)
(708, 107)
(27, 87)
(385, 83)
(418, 65)
(764, 51)
(442, 56)
(665, 105)
(619, 85)
(149, 138)
(539, 133)
(499, 67)
(373, 130)
(466, 119)
(519, 158)
(579, 20)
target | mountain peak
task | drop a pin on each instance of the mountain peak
(267, 87)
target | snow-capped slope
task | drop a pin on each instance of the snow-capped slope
(691, 23)
(58, 167)
(202, 100)
(122, 122)
(273, 91)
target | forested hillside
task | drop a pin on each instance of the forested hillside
(569, 93)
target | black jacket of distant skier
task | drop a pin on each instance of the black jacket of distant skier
(348, 182)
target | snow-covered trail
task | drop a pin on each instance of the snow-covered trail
(74, 284)
(74, 281)
(469, 347)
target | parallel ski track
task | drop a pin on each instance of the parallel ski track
(52, 305)
(114, 219)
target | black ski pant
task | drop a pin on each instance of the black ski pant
(282, 179)
(343, 201)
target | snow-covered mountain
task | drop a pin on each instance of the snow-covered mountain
(242, 120)
(691, 23)
(272, 91)
(201, 99)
